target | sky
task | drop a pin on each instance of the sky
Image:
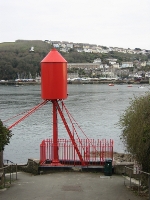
(111, 23)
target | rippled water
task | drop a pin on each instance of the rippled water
(96, 108)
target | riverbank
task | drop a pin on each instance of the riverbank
(122, 157)
(119, 82)
(14, 83)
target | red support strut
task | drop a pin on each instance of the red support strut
(28, 114)
(69, 132)
(55, 161)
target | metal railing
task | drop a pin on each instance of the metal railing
(138, 181)
(93, 152)
(8, 174)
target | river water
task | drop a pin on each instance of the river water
(96, 108)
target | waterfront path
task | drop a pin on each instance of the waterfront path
(68, 186)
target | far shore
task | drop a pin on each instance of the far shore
(79, 82)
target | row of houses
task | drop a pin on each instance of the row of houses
(111, 69)
(65, 46)
(97, 64)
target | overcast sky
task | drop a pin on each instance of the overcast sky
(111, 23)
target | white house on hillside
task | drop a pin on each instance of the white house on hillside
(126, 64)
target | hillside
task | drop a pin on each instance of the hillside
(18, 59)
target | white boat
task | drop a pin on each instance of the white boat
(141, 86)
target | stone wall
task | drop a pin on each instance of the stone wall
(31, 167)
(120, 160)
(119, 168)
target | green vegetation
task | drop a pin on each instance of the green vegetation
(135, 125)
(5, 135)
(127, 57)
(16, 59)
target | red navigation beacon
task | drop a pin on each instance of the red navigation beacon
(54, 88)
(53, 76)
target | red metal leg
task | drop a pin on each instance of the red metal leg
(55, 160)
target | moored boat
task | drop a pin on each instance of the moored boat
(111, 84)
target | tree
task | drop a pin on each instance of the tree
(135, 125)
(5, 135)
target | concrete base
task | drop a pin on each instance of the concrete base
(69, 168)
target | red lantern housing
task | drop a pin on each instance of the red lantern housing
(53, 76)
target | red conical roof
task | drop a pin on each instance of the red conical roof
(53, 56)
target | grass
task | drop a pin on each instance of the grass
(7, 184)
